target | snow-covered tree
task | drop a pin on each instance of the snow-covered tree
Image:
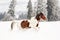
(53, 10)
(2, 15)
(42, 7)
(11, 10)
(29, 9)
(49, 8)
(22, 16)
(35, 9)
(9, 16)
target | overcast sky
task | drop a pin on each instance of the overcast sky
(21, 5)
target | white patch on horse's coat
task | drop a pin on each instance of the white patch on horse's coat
(33, 22)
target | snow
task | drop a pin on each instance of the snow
(47, 31)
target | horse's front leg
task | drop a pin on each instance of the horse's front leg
(37, 27)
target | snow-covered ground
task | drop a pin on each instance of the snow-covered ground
(47, 31)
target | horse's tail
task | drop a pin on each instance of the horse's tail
(12, 24)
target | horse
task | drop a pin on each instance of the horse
(29, 23)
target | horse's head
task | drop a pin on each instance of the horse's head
(39, 16)
(42, 16)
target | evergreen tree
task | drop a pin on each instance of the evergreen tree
(10, 14)
(11, 10)
(35, 8)
(29, 9)
(53, 10)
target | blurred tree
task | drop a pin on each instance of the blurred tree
(53, 10)
(29, 9)
(11, 10)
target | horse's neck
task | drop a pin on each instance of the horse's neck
(33, 20)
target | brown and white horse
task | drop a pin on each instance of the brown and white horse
(26, 23)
